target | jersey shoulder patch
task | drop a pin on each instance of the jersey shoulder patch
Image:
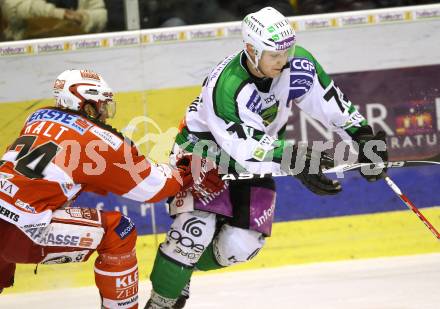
(302, 75)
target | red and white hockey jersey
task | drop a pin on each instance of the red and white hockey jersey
(60, 153)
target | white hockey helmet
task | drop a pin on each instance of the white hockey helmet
(74, 89)
(267, 29)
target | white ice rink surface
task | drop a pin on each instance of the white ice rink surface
(409, 282)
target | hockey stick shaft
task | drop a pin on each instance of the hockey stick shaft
(411, 206)
(338, 169)
(389, 164)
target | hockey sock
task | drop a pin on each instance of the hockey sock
(168, 277)
(116, 271)
(207, 261)
(118, 285)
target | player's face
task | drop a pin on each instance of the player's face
(271, 63)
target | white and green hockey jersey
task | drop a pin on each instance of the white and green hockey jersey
(245, 117)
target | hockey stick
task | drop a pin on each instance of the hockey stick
(410, 205)
(357, 166)
(343, 168)
(389, 164)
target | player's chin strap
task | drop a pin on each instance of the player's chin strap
(254, 63)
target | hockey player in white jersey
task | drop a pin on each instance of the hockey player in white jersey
(241, 115)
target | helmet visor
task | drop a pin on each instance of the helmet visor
(110, 107)
(107, 108)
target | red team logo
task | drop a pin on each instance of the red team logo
(59, 84)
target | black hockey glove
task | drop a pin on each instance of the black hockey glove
(372, 149)
(311, 176)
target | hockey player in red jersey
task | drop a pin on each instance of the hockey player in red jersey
(60, 152)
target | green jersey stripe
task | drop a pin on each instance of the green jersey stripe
(231, 80)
